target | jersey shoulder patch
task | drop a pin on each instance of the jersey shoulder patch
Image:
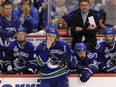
(97, 46)
(90, 55)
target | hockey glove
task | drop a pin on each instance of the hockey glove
(11, 70)
(69, 72)
(29, 71)
(67, 58)
(86, 74)
(1, 69)
(61, 63)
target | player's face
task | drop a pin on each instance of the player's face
(81, 54)
(7, 10)
(20, 36)
(109, 38)
(84, 7)
(51, 37)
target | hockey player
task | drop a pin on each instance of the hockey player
(19, 55)
(1, 59)
(106, 52)
(54, 57)
(87, 64)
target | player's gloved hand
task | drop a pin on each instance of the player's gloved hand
(69, 72)
(61, 63)
(1, 69)
(29, 71)
(11, 70)
(85, 76)
(104, 70)
(67, 57)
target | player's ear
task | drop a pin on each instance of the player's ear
(15, 36)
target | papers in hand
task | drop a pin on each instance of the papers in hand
(92, 21)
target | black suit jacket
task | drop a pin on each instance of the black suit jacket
(76, 20)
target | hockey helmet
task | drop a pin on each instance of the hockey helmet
(109, 30)
(80, 47)
(52, 30)
(21, 29)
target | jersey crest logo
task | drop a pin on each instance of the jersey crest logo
(90, 55)
(97, 46)
(15, 49)
(106, 50)
(20, 63)
(53, 62)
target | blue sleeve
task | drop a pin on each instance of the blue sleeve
(33, 19)
(42, 54)
(8, 55)
(100, 57)
(69, 56)
(92, 67)
(4, 33)
(18, 23)
(31, 59)
(1, 57)
(17, 12)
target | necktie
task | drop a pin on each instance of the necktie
(84, 18)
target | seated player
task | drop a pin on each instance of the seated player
(106, 52)
(87, 64)
(20, 55)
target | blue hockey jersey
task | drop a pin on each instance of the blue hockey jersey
(89, 63)
(1, 59)
(106, 56)
(48, 60)
(20, 58)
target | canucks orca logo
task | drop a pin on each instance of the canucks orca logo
(53, 62)
(20, 63)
